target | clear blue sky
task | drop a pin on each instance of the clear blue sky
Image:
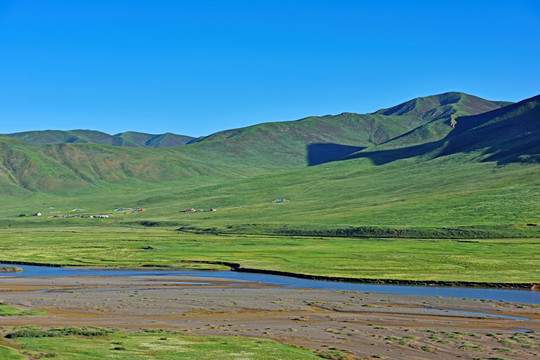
(195, 67)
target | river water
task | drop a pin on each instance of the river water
(520, 296)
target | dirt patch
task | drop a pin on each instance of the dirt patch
(358, 324)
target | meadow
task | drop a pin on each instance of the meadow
(451, 260)
(445, 192)
(447, 219)
(462, 210)
(97, 343)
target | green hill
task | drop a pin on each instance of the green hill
(432, 107)
(249, 167)
(60, 167)
(511, 134)
(128, 139)
(508, 134)
(443, 188)
(295, 144)
(318, 139)
(154, 141)
(440, 113)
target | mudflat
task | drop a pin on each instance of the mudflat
(359, 324)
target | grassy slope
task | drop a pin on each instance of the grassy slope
(438, 112)
(300, 142)
(285, 145)
(431, 193)
(507, 135)
(59, 168)
(451, 190)
(443, 192)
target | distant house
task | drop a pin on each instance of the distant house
(190, 210)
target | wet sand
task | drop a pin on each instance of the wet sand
(360, 325)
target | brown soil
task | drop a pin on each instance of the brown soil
(360, 325)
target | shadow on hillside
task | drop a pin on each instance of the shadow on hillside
(507, 135)
(327, 152)
(498, 143)
(382, 157)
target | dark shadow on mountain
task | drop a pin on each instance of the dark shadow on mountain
(503, 145)
(327, 152)
(506, 135)
(381, 157)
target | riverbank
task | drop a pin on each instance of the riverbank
(357, 324)
(229, 266)
(447, 262)
(9, 269)
(478, 293)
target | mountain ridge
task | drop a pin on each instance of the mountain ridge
(423, 109)
(507, 134)
(236, 153)
(80, 136)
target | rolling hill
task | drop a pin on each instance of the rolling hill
(508, 134)
(293, 144)
(319, 139)
(477, 175)
(62, 167)
(128, 139)
(60, 162)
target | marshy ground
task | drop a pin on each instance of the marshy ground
(357, 325)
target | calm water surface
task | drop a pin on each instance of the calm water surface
(521, 296)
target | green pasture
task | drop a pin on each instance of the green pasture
(446, 219)
(58, 344)
(8, 310)
(477, 260)
(438, 193)
(7, 353)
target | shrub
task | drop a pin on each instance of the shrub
(57, 332)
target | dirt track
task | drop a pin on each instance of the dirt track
(362, 325)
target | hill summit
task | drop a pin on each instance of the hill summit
(421, 128)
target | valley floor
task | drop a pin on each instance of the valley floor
(357, 325)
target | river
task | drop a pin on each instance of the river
(510, 295)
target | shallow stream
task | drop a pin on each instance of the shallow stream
(520, 296)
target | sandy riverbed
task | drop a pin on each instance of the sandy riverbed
(362, 325)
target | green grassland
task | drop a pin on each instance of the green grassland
(8, 353)
(445, 219)
(452, 260)
(440, 190)
(7, 310)
(461, 206)
(444, 192)
(96, 343)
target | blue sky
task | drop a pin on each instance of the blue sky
(195, 67)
